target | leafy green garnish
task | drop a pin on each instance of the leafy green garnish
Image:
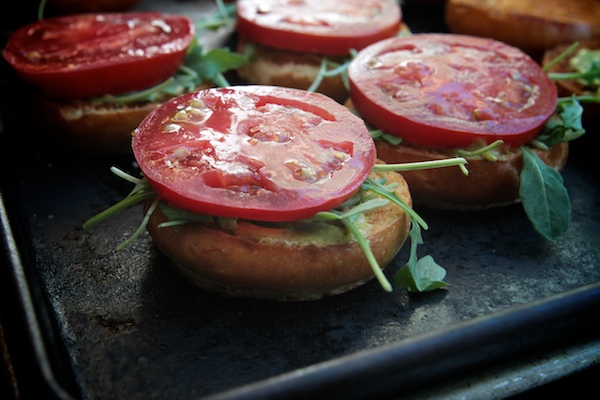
(586, 64)
(348, 218)
(210, 66)
(199, 67)
(330, 69)
(382, 135)
(563, 126)
(139, 193)
(487, 152)
(420, 275)
(224, 17)
(545, 199)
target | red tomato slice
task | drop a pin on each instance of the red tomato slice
(318, 26)
(254, 152)
(89, 55)
(448, 90)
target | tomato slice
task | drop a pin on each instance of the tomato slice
(450, 90)
(318, 26)
(89, 55)
(254, 152)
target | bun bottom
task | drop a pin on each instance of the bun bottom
(274, 67)
(88, 128)
(282, 264)
(92, 129)
(489, 184)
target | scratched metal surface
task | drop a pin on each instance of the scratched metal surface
(126, 325)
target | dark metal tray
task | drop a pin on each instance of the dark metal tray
(107, 324)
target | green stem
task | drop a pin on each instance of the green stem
(142, 227)
(447, 162)
(560, 57)
(364, 244)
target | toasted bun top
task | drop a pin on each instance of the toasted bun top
(533, 25)
(267, 261)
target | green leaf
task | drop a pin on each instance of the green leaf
(426, 275)
(198, 67)
(545, 199)
(565, 124)
(223, 17)
(422, 275)
(586, 64)
(210, 65)
(381, 135)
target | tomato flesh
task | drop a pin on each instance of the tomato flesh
(449, 90)
(88, 55)
(254, 152)
(318, 26)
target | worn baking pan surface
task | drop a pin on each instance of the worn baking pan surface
(124, 324)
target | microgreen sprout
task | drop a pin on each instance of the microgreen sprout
(224, 17)
(420, 165)
(485, 151)
(330, 69)
(588, 72)
(420, 274)
(381, 134)
(347, 218)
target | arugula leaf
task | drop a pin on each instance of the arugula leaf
(380, 134)
(210, 65)
(223, 17)
(564, 125)
(199, 67)
(544, 197)
(420, 275)
(139, 193)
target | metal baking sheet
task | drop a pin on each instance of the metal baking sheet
(108, 324)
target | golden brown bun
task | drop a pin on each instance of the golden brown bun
(280, 264)
(88, 128)
(489, 184)
(93, 129)
(275, 67)
(533, 25)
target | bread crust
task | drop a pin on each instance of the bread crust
(280, 264)
(533, 26)
(489, 183)
(93, 129)
(275, 67)
(89, 128)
